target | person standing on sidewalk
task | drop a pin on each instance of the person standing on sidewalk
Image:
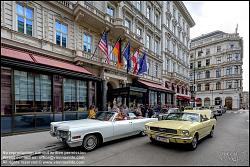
(92, 112)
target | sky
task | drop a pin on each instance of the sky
(224, 16)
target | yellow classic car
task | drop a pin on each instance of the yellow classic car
(186, 127)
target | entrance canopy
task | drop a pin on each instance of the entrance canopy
(154, 86)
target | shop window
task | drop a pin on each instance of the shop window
(69, 88)
(6, 107)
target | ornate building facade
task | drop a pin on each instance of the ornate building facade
(49, 69)
(216, 69)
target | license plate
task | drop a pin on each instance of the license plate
(164, 139)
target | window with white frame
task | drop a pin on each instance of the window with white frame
(87, 43)
(236, 69)
(157, 20)
(156, 70)
(110, 11)
(138, 31)
(147, 41)
(228, 70)
(61, 34)
(229, 84)
(127, 23)
(156, 47)
(24, 19)
(229, 57)
(237, 56)
(167, 65)
(148, 12)
(148, 69)
(218, 60)
(138, 5)
(236, 84)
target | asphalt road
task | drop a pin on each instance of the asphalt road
(228, 147)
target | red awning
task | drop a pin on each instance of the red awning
(181, 97)
(37, 59)
(153, 85)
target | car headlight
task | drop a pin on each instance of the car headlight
(147, 127)
(185, 132)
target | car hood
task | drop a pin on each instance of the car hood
(173, 124)
(83, 123)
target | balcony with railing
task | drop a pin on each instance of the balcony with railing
(87, 12)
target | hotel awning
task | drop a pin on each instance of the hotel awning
(151, 85)
(41, 60)
(181, 97)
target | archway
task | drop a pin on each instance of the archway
(229, 102)
(207, 101)
(218, 101)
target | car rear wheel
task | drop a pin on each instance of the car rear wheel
(90, 142)
(193, 144)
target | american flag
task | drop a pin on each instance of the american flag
(103, 44)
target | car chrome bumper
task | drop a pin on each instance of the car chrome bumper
(74, 143)
(169, 138)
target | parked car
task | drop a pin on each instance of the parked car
(186, 127)
(166, 112)
(217, 110)
(90, 133)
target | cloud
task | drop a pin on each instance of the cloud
(224, 16)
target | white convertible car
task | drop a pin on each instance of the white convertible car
(89, 133)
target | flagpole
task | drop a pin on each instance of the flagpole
(97, 45)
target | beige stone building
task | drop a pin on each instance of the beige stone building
(245, 100)
(216, 69)
(50, 73)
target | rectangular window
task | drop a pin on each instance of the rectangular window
(138, 5)
(156, 47)
(110, 11)
(6, 100)
(207, 51)
(199, 64)
(207, 74)
(87, 43)
(148, 12)
(236, 69)
(157, 20)
(61, 34)
(218, 60)
(236, 84)
(70, 100)
(191, 65)
(24, 19)
(207, 62)
(147, 41)
(232, 46)
(229, 84)
(148, 70)
(229, 57)
(127, 23)
(199, 53)
(229, 71)
(199, 75)
(218, 73)
(237, 56)
(218, 48)
(156, 70)
(138, 31)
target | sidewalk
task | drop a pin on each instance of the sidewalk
(27, 142)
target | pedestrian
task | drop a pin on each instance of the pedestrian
(143, 110)
(125, 109)
(92, 112)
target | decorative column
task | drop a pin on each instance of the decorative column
(104, 94)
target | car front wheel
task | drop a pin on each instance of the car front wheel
(211, 134)
(193, 144)
(90, 142)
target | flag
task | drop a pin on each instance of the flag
(117, 53)
(134, 58)
(126, 54)
(103, 44)
(142, 64)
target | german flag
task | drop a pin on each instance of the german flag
(117, 53)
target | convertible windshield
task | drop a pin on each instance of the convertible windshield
(193, 117)
(104, 115)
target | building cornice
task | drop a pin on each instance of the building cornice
(185, 13)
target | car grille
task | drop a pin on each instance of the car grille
(63, 134)
(163, 130)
